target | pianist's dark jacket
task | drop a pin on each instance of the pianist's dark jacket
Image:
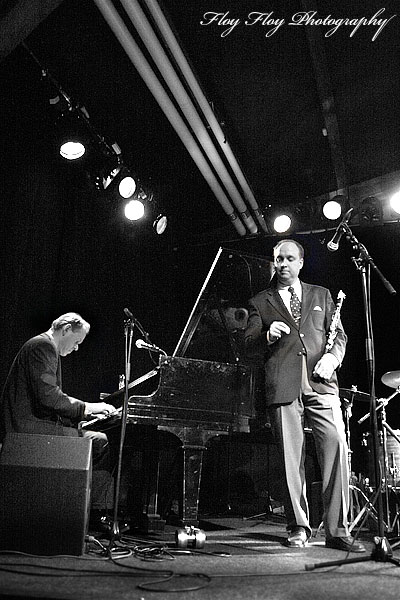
(32, 400)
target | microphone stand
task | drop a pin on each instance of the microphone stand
(382, 551)
(128, 334)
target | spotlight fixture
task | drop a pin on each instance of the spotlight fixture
(395, 203)
(160, 224)
(370, 211)
(112, 173)
(282, 223)
(104, 181)
(77, 137)
(71, 136)
(134, 210)
(127, 186)
(332, 210)
(72, 150)
(278, 218)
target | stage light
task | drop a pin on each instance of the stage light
(160, 224)
(127, 186)
(72, 150)
(282, 223)
(332, 210)
(113, 174)
(370, 211)
(134, 210)
(110, 177)
(71, 134)
(395, 203)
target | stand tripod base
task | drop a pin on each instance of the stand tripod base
(382, 552)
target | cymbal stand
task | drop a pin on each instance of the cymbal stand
(355, 491)
(392, 470)
(382, 551)
(347, 406)
(381, 405)
(385, 487)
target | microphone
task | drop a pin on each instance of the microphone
(142, 345)
(129, 314)
(333, 245)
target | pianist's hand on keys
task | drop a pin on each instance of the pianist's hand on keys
(98, 409)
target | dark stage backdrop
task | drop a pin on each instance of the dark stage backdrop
(63, 248)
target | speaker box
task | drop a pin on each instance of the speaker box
(45, 486)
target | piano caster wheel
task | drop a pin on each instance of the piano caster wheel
(190, 536)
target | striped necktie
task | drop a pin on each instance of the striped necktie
(295, 305)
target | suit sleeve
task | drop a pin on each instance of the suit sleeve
(255, 334)
(44, 382)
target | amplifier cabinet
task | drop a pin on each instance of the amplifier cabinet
(45, 484)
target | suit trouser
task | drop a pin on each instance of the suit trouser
(101, 497)
(322, 413)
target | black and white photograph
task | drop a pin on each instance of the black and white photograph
(200, 290)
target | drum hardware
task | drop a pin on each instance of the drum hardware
(357, 495)
(364, 263)
(395, 526)
(347, 397)
(368, 507)
(353, 394)
(391, 379)
(380, 403)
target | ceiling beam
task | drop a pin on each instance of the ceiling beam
(324, 87)
(19, 18)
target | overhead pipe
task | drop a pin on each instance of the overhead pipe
(144, 69)
(181, 60)
(157, 52)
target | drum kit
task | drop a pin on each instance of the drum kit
(364, 492)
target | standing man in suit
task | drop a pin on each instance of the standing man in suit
(288, 324)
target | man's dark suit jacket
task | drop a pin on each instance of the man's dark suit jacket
(283, 358)
(32, 400)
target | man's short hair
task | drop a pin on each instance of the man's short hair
(73, 319)
(299, 246)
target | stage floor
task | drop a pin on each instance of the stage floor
(241, 559)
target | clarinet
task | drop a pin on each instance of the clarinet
(334, 323)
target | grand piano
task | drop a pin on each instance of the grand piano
(207, 387)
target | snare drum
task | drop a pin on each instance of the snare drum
(393, 458)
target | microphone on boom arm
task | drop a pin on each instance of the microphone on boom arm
(129, 314)
(333, 244)
(142, 345)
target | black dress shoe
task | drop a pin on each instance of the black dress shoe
(347, 544)
(297, 538)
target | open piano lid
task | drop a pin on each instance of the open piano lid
(215, 328)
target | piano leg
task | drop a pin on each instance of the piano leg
(192, 465)
(193, 445)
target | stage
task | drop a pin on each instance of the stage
(241, 559)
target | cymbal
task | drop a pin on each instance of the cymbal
(391, 379)
(353, 395)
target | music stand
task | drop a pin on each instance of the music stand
(382, 551)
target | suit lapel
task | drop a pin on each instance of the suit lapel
(274, 298)
(306, 301)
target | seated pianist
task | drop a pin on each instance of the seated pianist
(33, 401)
